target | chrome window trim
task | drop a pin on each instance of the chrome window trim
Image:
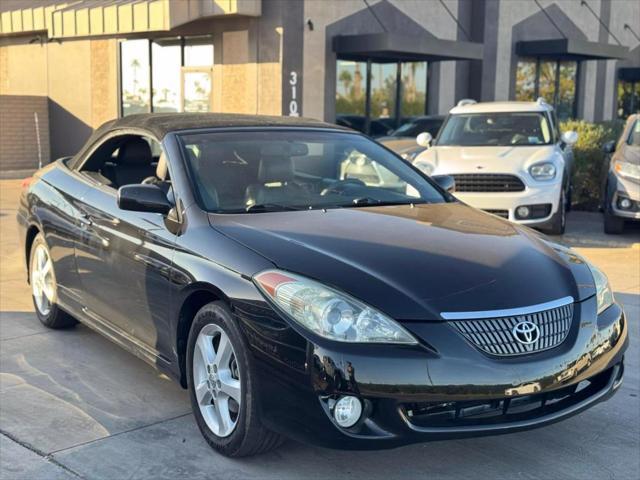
(510, 312)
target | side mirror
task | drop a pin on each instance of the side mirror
(424, 139)
(143, 198)
(609, 147)
(569, 137)
(446, 182)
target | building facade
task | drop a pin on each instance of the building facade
(366, 63)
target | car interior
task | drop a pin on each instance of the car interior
(128, 160)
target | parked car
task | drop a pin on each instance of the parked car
(620, 191)
(509, 159)
(402, 140)
(291, 298)
(377, 127)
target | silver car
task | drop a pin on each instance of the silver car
(621, 178)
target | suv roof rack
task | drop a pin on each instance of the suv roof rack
(466, 101)
(541, 101)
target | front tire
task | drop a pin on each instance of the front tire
(222, 385)
(558, 223)
(44, 289)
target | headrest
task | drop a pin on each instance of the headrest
(275, 169)
(135, 151)
(162, 169)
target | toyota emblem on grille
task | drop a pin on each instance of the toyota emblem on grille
(526, 332)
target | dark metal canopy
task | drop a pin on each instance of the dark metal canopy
(570, 49)
(629, 74)
(392, 47)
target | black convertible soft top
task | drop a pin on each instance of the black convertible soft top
(159, 124)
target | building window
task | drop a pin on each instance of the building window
(628, 98)
(397, 91)
(135, 81)
(158, 75)
(553, 80)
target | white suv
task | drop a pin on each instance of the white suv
(507, 158)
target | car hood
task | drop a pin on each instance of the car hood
(414, 262)
(490, 159)
(398, 144)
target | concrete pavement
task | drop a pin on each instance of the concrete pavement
(74, 405)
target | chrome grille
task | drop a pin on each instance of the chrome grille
(487, 182)
(495, 335)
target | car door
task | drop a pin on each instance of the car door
(124, 263)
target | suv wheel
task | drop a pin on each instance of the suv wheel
(558, 222)
(222, 385)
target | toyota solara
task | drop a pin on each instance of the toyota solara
(301, 280)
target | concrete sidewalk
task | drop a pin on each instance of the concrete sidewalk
(74, 405)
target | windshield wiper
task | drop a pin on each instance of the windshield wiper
(271, 207)
(368, 201)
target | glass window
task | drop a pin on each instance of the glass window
(167, 60)
(628, 98)
(198, 52)
(547, 81)
(136, 89)
(526, 80)
(351, 93)
(383, 92)
(496, 129)
(289, 170)
(553, 80)
(413, 91)
(566, 96)
(156, 81)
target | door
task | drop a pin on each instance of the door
(124, 263)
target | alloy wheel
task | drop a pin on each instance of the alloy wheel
(43, 284)
(216, 380)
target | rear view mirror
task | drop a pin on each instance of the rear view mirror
(609, 147)
(424, 139)
(569, 137)
(446, 182)
(143, 198)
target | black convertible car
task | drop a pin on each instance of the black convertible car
(302, 280)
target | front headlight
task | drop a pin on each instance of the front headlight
(327, 312)
(543, 171)
(627, 169)
(604, 293)
(426, 167)
(410, 155)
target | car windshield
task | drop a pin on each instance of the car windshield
(496, 129)
(262, 171)
(416, 127)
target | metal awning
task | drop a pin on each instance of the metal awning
(83, 18)
(629, 74)
(392, 47)
(570, 49)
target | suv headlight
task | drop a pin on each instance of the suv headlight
(604, 293)
(627, 169)
(543, 171)
(327, 312)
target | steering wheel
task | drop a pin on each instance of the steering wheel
(341, 186)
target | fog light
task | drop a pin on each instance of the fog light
(624, 203)
(523, 212)
(347, 411)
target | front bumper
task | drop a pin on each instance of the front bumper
(620, 188)
(444, 389)
(505, 203)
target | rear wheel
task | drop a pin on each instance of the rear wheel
(44, 288)
(222, 385)
(612, 224)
